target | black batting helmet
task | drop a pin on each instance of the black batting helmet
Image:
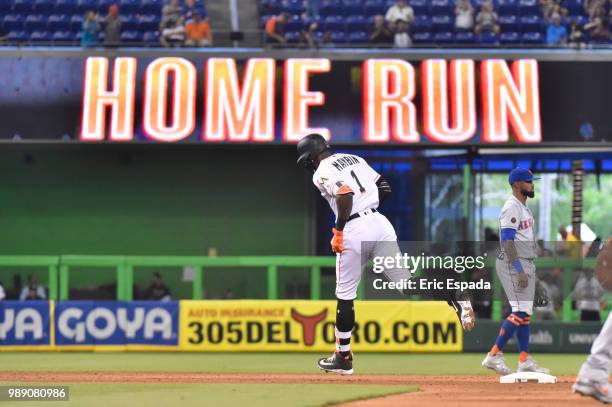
(309, 148)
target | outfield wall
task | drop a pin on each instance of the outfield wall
(257, 326)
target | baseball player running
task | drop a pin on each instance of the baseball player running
(593, 378)
(353, 190)
(515, 268)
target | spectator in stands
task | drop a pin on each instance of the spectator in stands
(32, 291)
(91, 28)
(588, 294)
(171, 11)
(112, 27)
(576, 36)
(556, 33)
(380, 33)
(598, 30)
(486, 20)
(400, 11)
(197, 32)
(464, 15)
(173, 34)
(547, 7)
(158, 291)
(191, 9)
(595, 8)
(275, 29)
(308, 36)
(401, 39)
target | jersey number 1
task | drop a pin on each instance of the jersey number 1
(361, 188)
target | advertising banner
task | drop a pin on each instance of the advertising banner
(285, 326)
(25, 323)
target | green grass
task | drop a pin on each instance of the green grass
(365, 363)
(184, 395)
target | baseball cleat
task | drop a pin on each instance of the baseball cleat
(531, 366)
(497, 363)
(599, 391)
(337, 363)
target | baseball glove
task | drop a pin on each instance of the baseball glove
(541, 296)
(603, 267)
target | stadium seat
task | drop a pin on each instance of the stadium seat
(22, 6)
(529, 7)
(488, 38)
(509, 23)
(65, 7)
(131, 37)
(506, 7)
(130, 23)
(420, 7)
(44, 6)
(149, 22)
(374, 7)
(295, 23)
(421, 23)
(574, 7)
(103, 5)
(58, 22)
(422, 38)
(532, 38)
(580, 20)
(442, 23)
(332, 7)
(76, 22)
(292, 37)
(35, 22)
(40, 36)
(509, 38)
(334, 23)
(294, 7)
(445, 37)
(63, 37)
(83, 6)
(465, 37)
(441, 7)
(356, 23)
(13, 22)
(353, 7)
(338, 37)
(155, 6)
(531, 23)
(17, 36)
(358, 37)
(151, 38)
(129, 6)
(6, 7)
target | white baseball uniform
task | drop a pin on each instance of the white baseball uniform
(346, 173)
(516, 215)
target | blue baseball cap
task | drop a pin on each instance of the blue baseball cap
(520, 174)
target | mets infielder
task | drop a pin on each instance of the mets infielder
(515, 268)
(353, 190)
(593, 378)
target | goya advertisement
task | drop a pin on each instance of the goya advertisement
(284, 326)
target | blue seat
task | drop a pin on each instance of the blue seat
(17, 36)
(338, 37)
(509, 23)
(332, 7)
(334, 23)
(63, 36)
(509, 38)
(6, 7)
(58, 22)
(129, 23)
(131, 36)
(40, 36)
(531, 23)
(44, 6)
(441, 7)
(532, 38)
(506, 7)
(488, 38)
(155, 6)
(23, 6)
(356, 23)
(83, 6)
(353, 7)
(148, 22)
(129, 6)
(76, 22)
(580, 20)
(442, 23)
(420, 7)
(65, 7)
(13, 22)
(103, 5)
(292, 37)
(422, 23)
(445, 37)
(374, 7)
(294, 7)
(150, 37)
(358, 37)
(295, 23)
(465, 37)
(422, 38)
(574, 7)
(529, 7)
(35, 22)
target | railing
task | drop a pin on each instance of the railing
(59, 272)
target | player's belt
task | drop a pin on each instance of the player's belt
(357, 214)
